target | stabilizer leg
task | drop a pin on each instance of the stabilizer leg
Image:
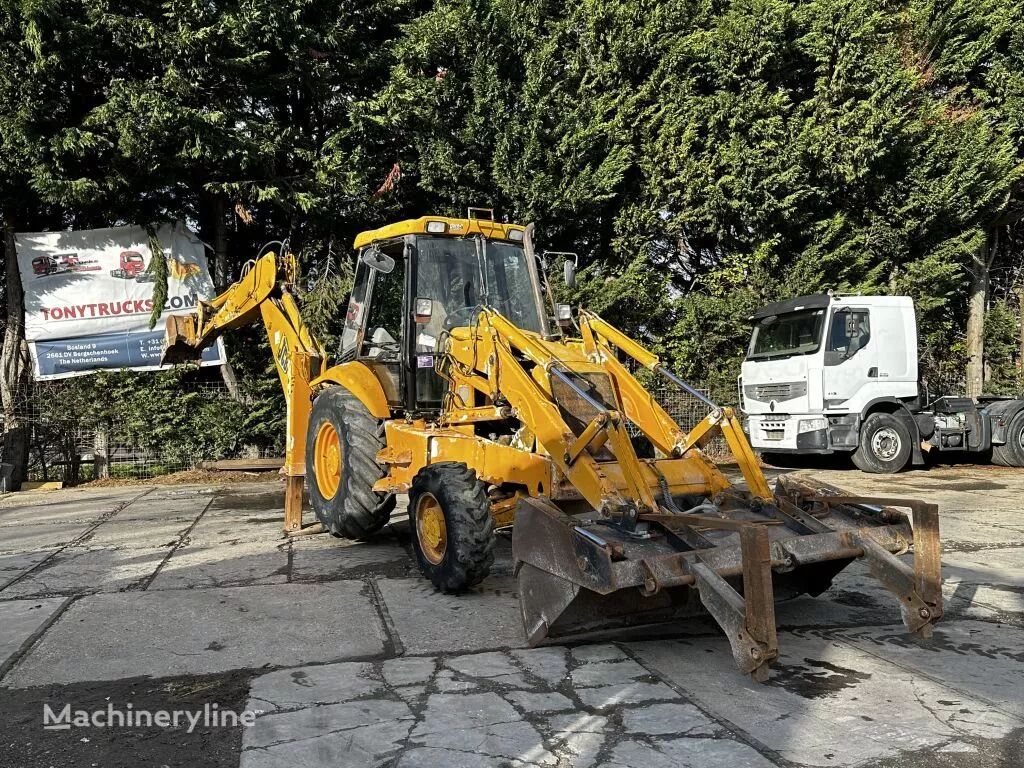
(748, 620)
(918, 589)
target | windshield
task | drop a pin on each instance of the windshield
(795, 333)
(458, 275)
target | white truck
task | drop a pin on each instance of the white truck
(838, 374)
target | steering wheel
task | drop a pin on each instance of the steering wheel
(460, 317)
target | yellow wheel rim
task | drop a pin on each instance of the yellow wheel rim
(327, 460)
(431, 531)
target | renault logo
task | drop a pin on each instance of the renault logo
(771, 406)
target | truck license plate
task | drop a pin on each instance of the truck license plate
(774, 434)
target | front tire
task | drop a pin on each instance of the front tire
(452, 527)
(341, 466)
(884, 445)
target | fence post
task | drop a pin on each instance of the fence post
(101, 454)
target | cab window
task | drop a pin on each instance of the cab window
(849, 332)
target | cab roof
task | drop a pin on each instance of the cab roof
(452, 228)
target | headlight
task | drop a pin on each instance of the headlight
(515, 235)
(810, 425)
(436, 227)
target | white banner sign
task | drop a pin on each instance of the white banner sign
(89, 295)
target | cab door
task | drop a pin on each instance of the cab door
(375, 323)
(851, 358)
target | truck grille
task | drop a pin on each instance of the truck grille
(780, 391)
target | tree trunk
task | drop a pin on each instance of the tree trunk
(227, 373)
(220, 242)
(976, 300)
(101, 454)
(14, 367)
(1020, 338)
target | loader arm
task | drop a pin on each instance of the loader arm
(600, 338)
(263, 293)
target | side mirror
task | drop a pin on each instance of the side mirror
(423, 310)
(376, 259)
(569, 268)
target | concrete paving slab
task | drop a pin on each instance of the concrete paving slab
(992, 566)
(820, 687)
(429, 621)
(230, 565)
(355, 734)
(289, 689)
(182, 632)
(13, 565)
(137, 534)
(325, 558)
(84, 571)
(685, 753)
(480, 723)
(978, 658)
(547, 664)
(539, 702)
(967, 531)
(19, 619)
(33, 538)
(77, 509)
(408, 671)
(984, 602)
(473, 724)
(669, 719)
(577, 738)
(215, 531)
(163, 506)
(257, 497)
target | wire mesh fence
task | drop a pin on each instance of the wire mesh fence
(73, 442)
(687, 411)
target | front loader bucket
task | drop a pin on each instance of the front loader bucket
(731, 560)
(179, 341)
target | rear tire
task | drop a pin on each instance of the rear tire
(451, 524)
(347, 438)
(884, 444)
(1011, 453)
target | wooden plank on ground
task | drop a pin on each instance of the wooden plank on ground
(244, 465)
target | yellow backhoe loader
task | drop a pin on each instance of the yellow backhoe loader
(454, 386)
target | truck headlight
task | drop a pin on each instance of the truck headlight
(810, 425)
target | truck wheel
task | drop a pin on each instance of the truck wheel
(1011, 453)
(341, 466)
(452, 527)
(884, 444)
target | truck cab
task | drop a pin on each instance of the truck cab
(817, 364)
(827, 373)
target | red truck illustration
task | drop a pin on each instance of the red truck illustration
(132, 265)
(44, 265)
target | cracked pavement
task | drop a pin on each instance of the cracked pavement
(167, 596)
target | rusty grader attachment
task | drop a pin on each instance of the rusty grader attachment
(731, 557)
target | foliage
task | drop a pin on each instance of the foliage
(701, 157)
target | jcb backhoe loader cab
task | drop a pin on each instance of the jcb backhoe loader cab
(454, 387)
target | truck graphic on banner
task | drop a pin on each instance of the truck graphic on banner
(89, 296)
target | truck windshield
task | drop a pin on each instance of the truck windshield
(795, 333)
